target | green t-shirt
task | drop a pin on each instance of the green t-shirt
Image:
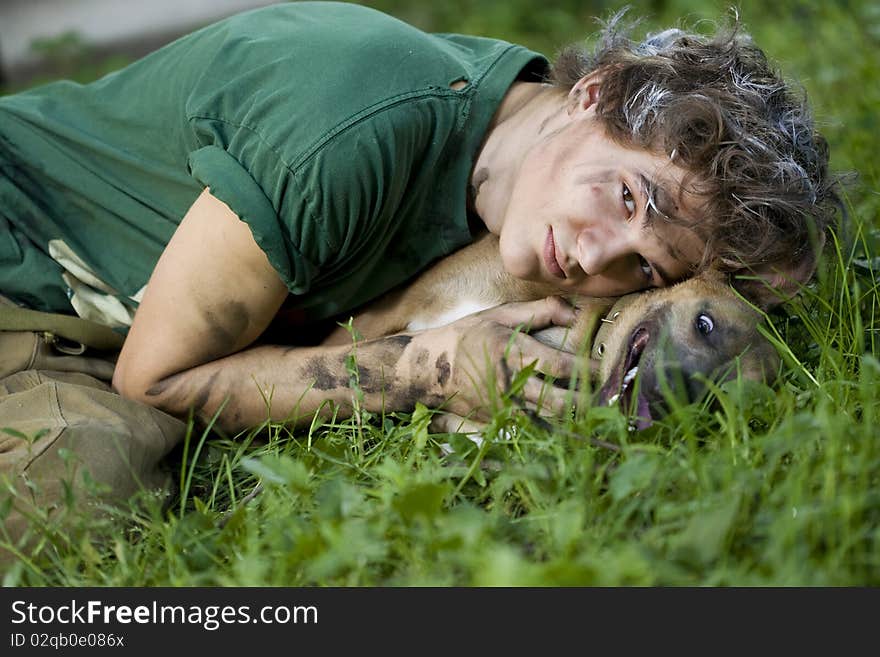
(335, 131)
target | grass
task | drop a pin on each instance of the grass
(763, 486)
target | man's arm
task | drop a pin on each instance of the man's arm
(213, 292)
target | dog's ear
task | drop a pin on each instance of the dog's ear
(770, 285)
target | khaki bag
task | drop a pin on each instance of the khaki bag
(67, 440)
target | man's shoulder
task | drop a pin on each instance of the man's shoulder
(328, 41)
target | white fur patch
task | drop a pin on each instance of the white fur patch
(463, 308)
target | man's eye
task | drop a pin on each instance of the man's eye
(629, 201)
(646, 268)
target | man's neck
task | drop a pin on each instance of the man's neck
(528, 111)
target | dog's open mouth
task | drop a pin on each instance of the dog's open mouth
(621, 387)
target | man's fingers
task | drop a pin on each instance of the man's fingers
(444, 422)
(539, 396)
(550, 311)
(552, 362)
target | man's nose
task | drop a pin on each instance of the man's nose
(598, 250)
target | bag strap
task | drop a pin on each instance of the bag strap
(91, 334)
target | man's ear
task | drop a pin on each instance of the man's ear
(770, 285)
(585, 92)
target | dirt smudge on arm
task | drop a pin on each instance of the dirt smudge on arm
(444, 369)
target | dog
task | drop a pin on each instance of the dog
(649, 345)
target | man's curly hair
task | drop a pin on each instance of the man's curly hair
(718, 109)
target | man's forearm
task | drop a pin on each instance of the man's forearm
(289, 384)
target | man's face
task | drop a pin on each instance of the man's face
(586, 215)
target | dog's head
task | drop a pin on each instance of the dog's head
(672, 340)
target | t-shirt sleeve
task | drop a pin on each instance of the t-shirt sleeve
(233, 182)
(339, 204)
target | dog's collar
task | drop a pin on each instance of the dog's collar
(606, 323)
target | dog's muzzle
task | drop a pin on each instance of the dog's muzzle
(606, 324)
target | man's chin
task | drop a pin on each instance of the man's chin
(521, 265)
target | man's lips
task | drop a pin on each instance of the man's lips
(550, 259)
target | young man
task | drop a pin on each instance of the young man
(297, 161)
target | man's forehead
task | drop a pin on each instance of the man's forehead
(682, 244)
(673, 215)
(666, 193)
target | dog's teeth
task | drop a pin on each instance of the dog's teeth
(630, 375)
(613, 400)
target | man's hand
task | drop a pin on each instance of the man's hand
(473, 360)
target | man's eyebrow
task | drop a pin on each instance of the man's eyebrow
(659, 200)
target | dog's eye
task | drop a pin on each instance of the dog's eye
(705, 325)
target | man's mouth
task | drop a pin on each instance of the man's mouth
(550, 259)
